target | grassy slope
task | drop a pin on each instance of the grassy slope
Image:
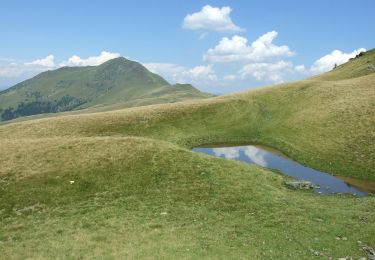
(139, 193)
(325, 125)
(124, 186)
(359, 66)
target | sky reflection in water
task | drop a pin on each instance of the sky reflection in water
(256, 155)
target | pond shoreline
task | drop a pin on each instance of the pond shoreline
(273, 159)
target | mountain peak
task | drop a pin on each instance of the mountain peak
(123, 65)
(116, 81)
(118, 60)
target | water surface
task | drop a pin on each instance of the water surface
(325, 182)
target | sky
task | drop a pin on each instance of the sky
(218, 46)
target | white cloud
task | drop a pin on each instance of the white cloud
(179, 74)
(25, 69)
(201, 72)
(211, 18)
(300, 68)
(104, 56)
(327, 62)
(45, 62)
(274, 72)
(237, 49)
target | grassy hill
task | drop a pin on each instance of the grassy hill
(118, 81)
(361, 65)
(124, 183)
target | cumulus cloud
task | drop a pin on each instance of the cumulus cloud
(300, 68)
(237, 49)
(17, 69)
(201, 72)
(327, 62)
(45, 62)
(179, 74)
(211, 18)
(13, 71)
(75, 60)
(274, 72)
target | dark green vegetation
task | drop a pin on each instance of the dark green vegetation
(118, 81)
(124, 183)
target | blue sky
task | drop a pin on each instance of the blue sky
(219, 46)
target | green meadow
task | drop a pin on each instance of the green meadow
(124, 183)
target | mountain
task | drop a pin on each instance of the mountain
(118, 81)
(125, 184)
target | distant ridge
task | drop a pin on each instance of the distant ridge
(118, 81)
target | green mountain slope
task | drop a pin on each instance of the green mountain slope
(124, 183)
(118, 81)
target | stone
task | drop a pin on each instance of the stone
(297, 184)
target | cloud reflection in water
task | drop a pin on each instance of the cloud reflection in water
(253, 154)
(262, 157)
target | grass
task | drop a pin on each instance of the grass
(139, 192)
(139, 198)
(328, 126)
